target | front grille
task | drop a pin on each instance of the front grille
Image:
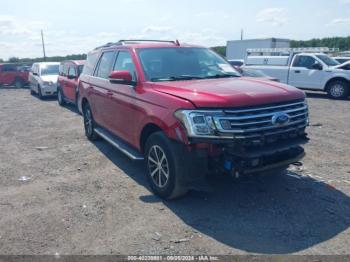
(258, 121)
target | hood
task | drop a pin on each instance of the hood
(47, 78)
(230, 92)
(342, 66)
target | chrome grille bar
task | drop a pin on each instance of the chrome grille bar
(255, 122)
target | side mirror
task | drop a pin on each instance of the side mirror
(317, 66)
(121, 77)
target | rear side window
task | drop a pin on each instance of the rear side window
(124, 62)
(90, 63)
(105, 65)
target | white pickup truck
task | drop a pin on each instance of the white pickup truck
(302, 69)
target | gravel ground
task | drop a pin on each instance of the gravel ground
(87, 198)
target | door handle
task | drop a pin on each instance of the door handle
(109, 93)
(297, 71)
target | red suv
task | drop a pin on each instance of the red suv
(13, 74)
(67, 83)
(187, 112)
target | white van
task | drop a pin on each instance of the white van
(43, 78)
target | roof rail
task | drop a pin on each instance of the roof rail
(292, 50)
(135, 41)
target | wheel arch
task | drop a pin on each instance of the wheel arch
(337, 78)
(148, 130)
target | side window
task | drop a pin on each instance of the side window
(105, 65)
(124, 63)
(71, 71)
(304, 61)
(90, 63)
(9, 68)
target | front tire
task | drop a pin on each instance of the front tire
(338, 89)
(40, 94)
(89, 123)
(164, 166)
(60, 97)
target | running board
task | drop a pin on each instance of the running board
(119, 144)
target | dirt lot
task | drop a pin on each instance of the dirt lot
(85, 198)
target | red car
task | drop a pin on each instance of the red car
(186, 112)
(13, 74)
(67, 83)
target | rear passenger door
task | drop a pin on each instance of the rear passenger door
(99, 95)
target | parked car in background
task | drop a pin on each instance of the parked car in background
(255, 73)
(236, 62)
(186, 111)
(13, 74)
(43, 78)
(67, 83)
(304, 69)
(342, 59)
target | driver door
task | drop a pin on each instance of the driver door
(303, 75)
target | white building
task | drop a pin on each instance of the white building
(237, 49)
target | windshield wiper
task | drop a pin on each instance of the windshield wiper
(222, 76)
(176, 78)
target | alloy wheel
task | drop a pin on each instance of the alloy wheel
(337, 90)
(158, 166)
(88, 121)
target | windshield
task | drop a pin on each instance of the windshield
(49, 70)
(328, 60)
(172, 64)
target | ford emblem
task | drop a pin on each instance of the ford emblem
(280, 119)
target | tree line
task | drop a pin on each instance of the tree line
(41, 59)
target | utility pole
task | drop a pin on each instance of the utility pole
(242, 34)
(42, 40)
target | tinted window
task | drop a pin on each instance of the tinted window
(124, 62)
(105, 65)
(304, 61)
(80, 69)
(71, 71)
(90, 63)
(9, 68)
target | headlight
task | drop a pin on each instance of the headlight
(48, 83)
(198, 123)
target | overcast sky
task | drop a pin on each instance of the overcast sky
(78, 26)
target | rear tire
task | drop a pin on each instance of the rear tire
(19, 83)
(89, 123)
(165, 166)
(60, 97)
(338, 89)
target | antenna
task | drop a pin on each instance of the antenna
(242, 34)
(43, 43)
